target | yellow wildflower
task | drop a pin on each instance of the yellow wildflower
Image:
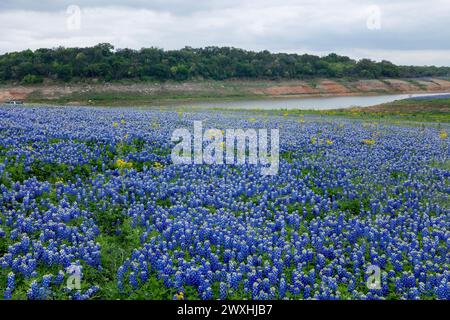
(179, 295)
(157, 165)
(329, 142)
(443, 135)
(122, 164)
(115, 124)
(122, 121)
(368, 141)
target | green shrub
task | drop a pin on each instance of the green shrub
(31, 79)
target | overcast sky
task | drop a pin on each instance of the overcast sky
(402, 31)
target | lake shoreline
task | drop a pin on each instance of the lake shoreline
(176, 93)
(434, 109)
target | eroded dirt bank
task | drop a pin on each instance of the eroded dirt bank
(217, 89)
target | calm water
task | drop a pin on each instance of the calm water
(318, 103)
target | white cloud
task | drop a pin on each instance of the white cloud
(412, 31)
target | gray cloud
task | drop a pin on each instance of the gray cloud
(181, 7)
(412, 31)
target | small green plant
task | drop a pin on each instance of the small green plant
(31, 79)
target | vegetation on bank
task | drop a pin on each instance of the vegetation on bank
(427, 110)
(124, 98)
(104, 63)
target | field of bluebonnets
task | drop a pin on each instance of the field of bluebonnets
(95, 188)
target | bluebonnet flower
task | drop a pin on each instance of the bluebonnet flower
(223, 291)
(11, 280)
(34, 291)
(47, 280)
(59, 278)
(357, 203)
(133, 280)
(8, 293)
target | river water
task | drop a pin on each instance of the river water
(316, 103)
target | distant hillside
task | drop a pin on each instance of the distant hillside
(102, 62)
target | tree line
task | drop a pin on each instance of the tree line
(217, 63)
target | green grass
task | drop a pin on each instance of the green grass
(445, 165)
(430, 110)
(114, 98)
